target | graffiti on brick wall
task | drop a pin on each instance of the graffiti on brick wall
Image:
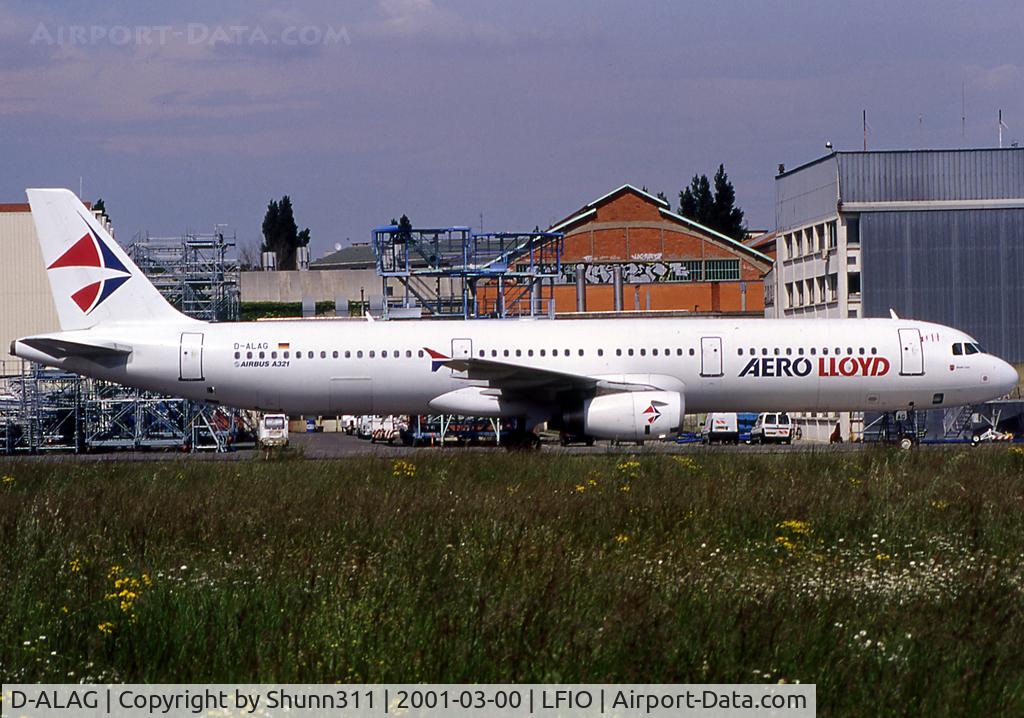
(693, 270)
(632, 273)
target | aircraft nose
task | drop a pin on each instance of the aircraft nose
(1004, 377)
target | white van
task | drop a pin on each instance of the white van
(273, 430)
(772, 427)
(721, 426)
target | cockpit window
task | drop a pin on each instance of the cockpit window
(958, 349)
(971, 348)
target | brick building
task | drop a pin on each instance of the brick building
(665, 262)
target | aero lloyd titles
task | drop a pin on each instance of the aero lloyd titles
(827, 366)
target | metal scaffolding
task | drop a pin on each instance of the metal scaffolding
(446, 270)
(43, 410)
(51, 410)
(193, 272)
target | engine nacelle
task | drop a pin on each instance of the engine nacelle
(633, 416)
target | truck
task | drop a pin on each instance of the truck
(722, 427)
(273, 431)
(772, 427)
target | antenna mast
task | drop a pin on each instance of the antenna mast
(864, 123)
(963, 112)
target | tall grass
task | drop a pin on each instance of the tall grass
(891, 580)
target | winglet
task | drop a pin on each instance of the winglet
(892, 313)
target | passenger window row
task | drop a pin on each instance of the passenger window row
(813, 351)
(579, 352)
(397, 354)
(347, 354)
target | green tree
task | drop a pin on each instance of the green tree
(716, 210)
(728, 218)
(404, 229)
(280, 233)
(98, 206)
(696, 201)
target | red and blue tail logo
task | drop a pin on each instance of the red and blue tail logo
(652, 413)
(91, 251)
(437, 359)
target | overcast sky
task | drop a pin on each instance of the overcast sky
(195, 113)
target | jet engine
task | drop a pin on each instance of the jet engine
(629, 416)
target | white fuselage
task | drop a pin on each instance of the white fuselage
(361, 367)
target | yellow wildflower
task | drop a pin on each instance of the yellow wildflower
(801, 528)
(403, 469)
(624, 488)
(74, 565)
(882, 557)
(622, 538)
(686, 462)
(106, 628)
(8, 480)
(580, 488)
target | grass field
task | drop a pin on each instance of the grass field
(891, 580)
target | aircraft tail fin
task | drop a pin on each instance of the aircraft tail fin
(92, 279)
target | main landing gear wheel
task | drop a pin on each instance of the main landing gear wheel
(521, 441)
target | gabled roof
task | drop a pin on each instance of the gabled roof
(590, 209)
(356, 254)
(763, 239)
(717, 235)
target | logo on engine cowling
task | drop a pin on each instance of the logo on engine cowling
(652, 413)
(827, 366)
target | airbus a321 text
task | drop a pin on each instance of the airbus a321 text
(615, 378)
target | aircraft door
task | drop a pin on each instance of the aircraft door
(911, 354)
(461, 349)
(190, 358)
(711, 356)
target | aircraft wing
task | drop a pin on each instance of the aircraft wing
(62, 348)
(516, 378)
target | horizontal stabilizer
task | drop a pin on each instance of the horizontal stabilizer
(62, 348)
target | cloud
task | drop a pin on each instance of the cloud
(423, 20)
(1001, 77)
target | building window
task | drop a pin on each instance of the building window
(853, 232)
(692, 270)
(717, 270)
(853, 282)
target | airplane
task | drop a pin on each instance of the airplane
(604, 378)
